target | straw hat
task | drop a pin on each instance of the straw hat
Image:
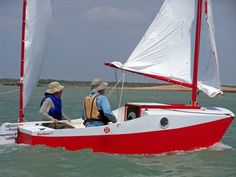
(98, 84)
(54, 87)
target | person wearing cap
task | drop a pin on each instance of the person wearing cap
(96, 107)
(51, 104)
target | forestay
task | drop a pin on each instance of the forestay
(165, 51)
(38, 16)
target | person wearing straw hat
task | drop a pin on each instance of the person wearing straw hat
(96, 107)
(51, 105)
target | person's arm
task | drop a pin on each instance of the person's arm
(106, 108)
(44, 109)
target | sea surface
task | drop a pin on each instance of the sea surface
(41, 161)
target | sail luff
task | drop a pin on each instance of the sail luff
(21, 99)
(196, 52)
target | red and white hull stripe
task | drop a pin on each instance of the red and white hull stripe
(186, 130)
(188, 138)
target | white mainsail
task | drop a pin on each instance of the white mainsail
(38, 16)
(166, 48)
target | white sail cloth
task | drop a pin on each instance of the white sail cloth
(209, 77)
(38, 16)
(169, 33)
(165, 49)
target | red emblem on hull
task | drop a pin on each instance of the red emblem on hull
(106, 129)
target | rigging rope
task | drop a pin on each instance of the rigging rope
(121, 95)
(112, 89)
(122, 88)
(121, 92)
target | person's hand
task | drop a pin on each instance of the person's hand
(55, 121)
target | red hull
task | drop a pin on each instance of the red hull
(188, 138)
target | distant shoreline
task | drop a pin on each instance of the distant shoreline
(134, 86)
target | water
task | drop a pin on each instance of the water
(38, 161)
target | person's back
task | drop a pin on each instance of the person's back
(96, 107)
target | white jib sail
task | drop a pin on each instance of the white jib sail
(38, 16)
(165, 49)
(209, 77)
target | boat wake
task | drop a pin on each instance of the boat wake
(220, 147)
(216, 147)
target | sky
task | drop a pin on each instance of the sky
(86, 33)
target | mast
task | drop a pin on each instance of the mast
(196, 52)
(21, 101)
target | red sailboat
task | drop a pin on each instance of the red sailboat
(164, 53)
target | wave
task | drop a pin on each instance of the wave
(9, 148)
(220, 147)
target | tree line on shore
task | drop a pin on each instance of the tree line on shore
(45, 82)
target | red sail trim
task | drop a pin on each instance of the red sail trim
(162, 78)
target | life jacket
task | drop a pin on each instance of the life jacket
(55, 112)
(91, 111)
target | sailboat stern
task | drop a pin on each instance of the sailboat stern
(8, 133)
